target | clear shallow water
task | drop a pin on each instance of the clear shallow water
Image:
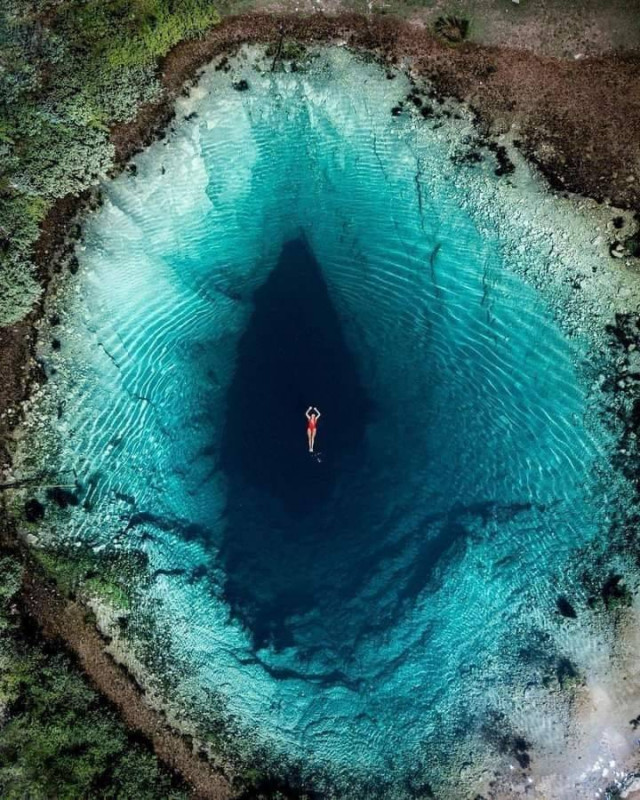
(366, 612)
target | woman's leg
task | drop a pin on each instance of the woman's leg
(313, 439)
(310, 438)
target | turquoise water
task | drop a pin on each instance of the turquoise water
(369, 611)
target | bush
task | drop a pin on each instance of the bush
(20, 217)
(156, 28)
(61, 735)
(59, 738)
(452, 29)
(75, 67)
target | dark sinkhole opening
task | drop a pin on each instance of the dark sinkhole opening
(318, 551)
(292, 355)
(282, 516)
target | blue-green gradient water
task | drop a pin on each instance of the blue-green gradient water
(363, 612)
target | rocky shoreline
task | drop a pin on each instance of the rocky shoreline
(578, 130)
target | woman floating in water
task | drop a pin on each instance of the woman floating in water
(313, 415)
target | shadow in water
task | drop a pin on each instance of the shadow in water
(292, 355)
(318, 553)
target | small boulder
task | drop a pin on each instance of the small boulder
(630, 787)
(616, 250)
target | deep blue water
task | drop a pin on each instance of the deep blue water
(367, 610)
(281, 500)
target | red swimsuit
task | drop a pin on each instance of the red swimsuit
(312, 424)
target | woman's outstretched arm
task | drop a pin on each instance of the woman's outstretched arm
(317, 413)
(306, 413)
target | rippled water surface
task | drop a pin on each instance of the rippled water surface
(364, 610)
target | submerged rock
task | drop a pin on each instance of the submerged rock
(520, 751)
(33, 510)
(630, 787)
(615, 593)
(616, 250)
(565, 608)
(567, 674)
(505, 164)
(62, 497)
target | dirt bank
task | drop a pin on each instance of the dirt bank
(65, 620)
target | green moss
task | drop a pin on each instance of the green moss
(611, 595)
(110, 591)
(293, 51)
(567, 675)
(67, 572)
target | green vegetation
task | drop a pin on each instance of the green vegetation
(112, 576)
(454, 30)
(115, 578)
(59, 738)
(68, 71)
(133, 33)
(562, 673)
(567, 675)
